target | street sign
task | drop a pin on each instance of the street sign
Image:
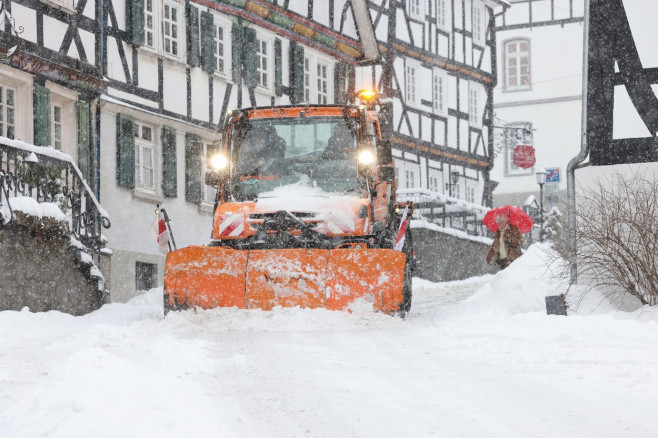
(553, 175)
(524, 156)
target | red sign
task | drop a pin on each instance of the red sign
(524, 156)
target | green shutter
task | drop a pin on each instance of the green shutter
(135, 21)
(84, 143)
(41, 116)
(250, 58)
(236, 53)
(192, 35)
(296, 69)
(169, 180)
(193, 180)
(208, 44)
(125, 151)
(278, 69)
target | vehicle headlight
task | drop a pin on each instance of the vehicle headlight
(219, 162)
(366, 157)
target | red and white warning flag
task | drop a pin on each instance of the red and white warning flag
(159, 232)
(399, 241)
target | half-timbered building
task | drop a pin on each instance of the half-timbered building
(437, 79)
(134, 90)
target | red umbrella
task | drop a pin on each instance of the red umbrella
(516, 217)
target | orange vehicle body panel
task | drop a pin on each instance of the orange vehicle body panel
(209, 277)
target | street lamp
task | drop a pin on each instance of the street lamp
(541, 180)
(454, 179)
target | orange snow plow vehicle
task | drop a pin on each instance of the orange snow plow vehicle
(305, 215)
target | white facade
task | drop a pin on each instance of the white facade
(540, 61)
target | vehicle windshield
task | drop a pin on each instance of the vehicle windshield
(313, 151)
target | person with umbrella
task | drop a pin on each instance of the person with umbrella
(508, 223)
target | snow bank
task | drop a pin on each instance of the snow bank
(31, 207)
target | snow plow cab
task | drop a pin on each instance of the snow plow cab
(305, 215)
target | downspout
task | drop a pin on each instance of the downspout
(576, 161)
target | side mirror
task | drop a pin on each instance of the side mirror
(384, 153)
(386, 173)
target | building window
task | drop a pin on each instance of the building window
(144, 147)
(145, 275)
(517, 64)
(470, 194)
(322, 83)
(262, 67)
(441, 13)
(7, 112)
(473, 106)
(410, 179)
(434, 184)
(148, 24)
(439, 92)
(477, 24)
(56, 126)
(209, 192)
(171, 29)
(411, 84)
(456, 191)
(415, 9)
(307, 79)
(220, 44)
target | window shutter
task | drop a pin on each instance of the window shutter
(250, 58)
(236, 53)
(340, 84)
(169, 180)
(135, 21)
(278, 68)
(84, 143)
(41, 116)
(296, 68)
(192, 35)
(208, 44)
(125, 151)
(193, 181)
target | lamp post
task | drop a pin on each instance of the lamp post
(541, 180)
(454, 179)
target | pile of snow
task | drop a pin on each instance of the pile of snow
(31, 207)
(478, 357)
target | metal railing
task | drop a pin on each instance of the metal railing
(446, 211)
(48, 175)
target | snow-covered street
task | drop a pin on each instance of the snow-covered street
(476, 358)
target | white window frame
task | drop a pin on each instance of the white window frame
(456, 191)
(516, 61)
(470, 194)
(8, 111)
(150, 31)
(308, 70)
(473, 106)
(171, 29)
(141, 145)
(477, 29)
(265, 76)
(226, 58)
(416, 9)
(442, 14)
(434, 183)
(409, 179)
(56, 126)
(322, 82)
(209, 192)
(314, 81)
(411, 81)
(440, 91)
(65, 99)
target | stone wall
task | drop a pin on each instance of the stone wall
(442, 256)
(40, 269)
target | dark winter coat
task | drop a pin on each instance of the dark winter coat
(513, 242)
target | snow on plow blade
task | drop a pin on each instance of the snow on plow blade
(207, 277)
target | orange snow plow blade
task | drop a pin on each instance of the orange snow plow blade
(209, 277)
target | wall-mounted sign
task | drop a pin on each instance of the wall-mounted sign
(524, 156)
